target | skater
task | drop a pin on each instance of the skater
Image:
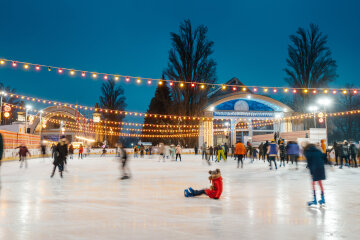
(215, 188)
(60, 156)
(353, 153)
(88, 150)
(52, 150)
(124, 163)
(220, 151)
(240, 152)
(71, 151)
(226, 150)
(203, 151)
(81, 150)
(178, 152)
(255, 152)
(103, 151)
(208, 156)
(282, 153)
(265, 148)
(293, 152)
(142, 151)
(161, 152)
(172, 152)
(136, 151)
(211, 153)
(272, 152)
(345, 152)
(43, 150)
(261, 151)
(233, 151)
(23, 152)
(196, 150)
(315, 162)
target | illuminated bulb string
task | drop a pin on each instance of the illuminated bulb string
(73, 72)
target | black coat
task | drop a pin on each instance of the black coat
(315, 161)
(60, 154)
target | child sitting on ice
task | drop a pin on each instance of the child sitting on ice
(215, 188)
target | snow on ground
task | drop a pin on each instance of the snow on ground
(90, 202)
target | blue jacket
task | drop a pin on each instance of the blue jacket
(315, 161)
(293, 148)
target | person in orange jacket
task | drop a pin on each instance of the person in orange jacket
(215, 188)
(240, 152)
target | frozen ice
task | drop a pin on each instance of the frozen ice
(90, 202)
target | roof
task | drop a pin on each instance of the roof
(218, 91)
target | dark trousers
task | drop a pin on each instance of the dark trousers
(199, 192)
(294, 158)
(353, 158)
(178, 154)
(240, 159)
(282, 160)
(346, 158)
(80, 156)
(272, 159)
(337, 158)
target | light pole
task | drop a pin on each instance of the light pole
(325, 102)
(3, 94)
(41, 112)
(27, 107)
(314, 109)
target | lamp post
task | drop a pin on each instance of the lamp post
(27, 107)
(41, 112)
(314, 109)
(325, 102)
(3, 94)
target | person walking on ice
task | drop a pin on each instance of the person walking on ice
(215, 189)
(315, 163)
(178, 152)
(23, 152)
(240, 152)
(124, 163)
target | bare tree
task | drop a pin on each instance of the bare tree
(112, 98)
(310, 64)
(189, 60)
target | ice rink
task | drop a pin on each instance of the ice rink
(90, 202)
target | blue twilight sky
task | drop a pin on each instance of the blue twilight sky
(132, 38)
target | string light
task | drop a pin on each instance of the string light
(116, 78)
(72, 72)
(60, 70)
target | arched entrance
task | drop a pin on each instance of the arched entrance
(242, 110)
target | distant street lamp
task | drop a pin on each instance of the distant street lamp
(2, 94)
(314, 109)
(325, 102)
(27, 107)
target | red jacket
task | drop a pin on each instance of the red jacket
(217, 187)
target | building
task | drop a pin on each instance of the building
(242, 114)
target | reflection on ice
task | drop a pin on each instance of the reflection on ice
(91, 203)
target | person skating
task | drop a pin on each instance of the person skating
(240, 152)
(220, 151)
(226, 150)
(282, 150)
(353, 153)
(265, 147)
(272, 152)
(81, 150)
(71, 151)
(178, 152)
(315, 163)
(141, 151)
(136, 150)
(60, 154)
(345, 152)
(261, 151)
(215, 189)
(43, 150)
(124, 163)
(293, 152)
(211, 153)
(23, 152)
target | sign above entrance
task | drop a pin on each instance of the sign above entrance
(243, 114)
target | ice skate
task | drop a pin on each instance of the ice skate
(312, 203)
(322, 201)
(191, 191)
(187, 193)
(124, 177)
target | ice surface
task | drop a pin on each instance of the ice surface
(92, 203)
